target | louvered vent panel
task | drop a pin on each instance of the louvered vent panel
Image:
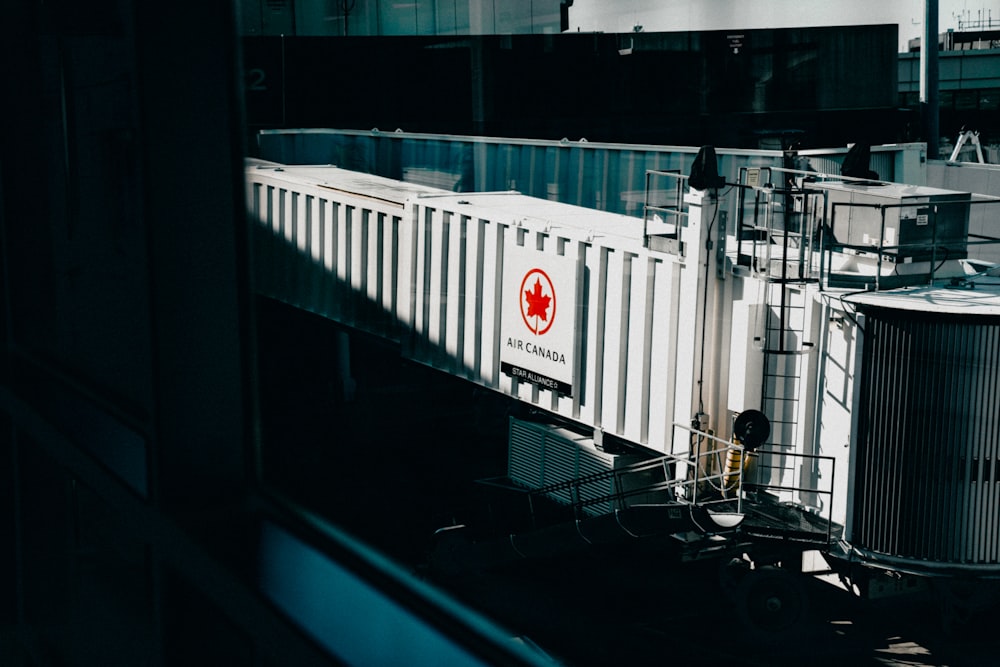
(927, 477)
(525, 454)
(595, 462)
(560, 466)
(542, 455)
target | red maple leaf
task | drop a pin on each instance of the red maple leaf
(537, 302)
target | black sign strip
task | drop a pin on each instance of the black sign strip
(531, 377)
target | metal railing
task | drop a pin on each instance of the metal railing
(701, 477)
(633, 481)
(706, 457)
(669, 203)
(765, 464)
(783, 222)
(932, 254)
(794, 221)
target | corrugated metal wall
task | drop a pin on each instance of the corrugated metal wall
(328, 251)
(629, 299)
(927, 474)
(429, 275)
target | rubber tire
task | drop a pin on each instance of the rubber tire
(772, 602)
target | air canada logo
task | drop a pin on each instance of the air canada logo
(529, 299)
(538, 301)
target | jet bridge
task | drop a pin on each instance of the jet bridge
(613, 337)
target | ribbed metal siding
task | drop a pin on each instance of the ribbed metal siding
(525, 454)
(329, 251)
(454, 283)
(431, 277)
(927, 477)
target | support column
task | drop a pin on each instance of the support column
(929, 104)
(700, 335)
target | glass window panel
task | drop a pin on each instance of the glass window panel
(398, 18)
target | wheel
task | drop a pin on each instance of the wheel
(772, 601)
(731, 573)
(449, 555)
(964, 605)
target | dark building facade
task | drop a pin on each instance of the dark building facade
(822, 86)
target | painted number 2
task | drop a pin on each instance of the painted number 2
(255, 80)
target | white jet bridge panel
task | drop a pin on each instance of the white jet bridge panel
(426, 267)
(624, 293)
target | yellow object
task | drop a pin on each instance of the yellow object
(735, 464)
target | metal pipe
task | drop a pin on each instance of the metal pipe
(929, 103)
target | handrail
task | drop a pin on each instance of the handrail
(882, 250)
(759, 179)
(671, 209)
(800, 489)
(822, 246)
(726, 447)
(575, 485)
(640, 466)
(728, 490)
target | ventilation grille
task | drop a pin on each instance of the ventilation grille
(525, 455)
(927, 477)
(542, 455)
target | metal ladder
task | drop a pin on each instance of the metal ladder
(780, 233)
(783, 360)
